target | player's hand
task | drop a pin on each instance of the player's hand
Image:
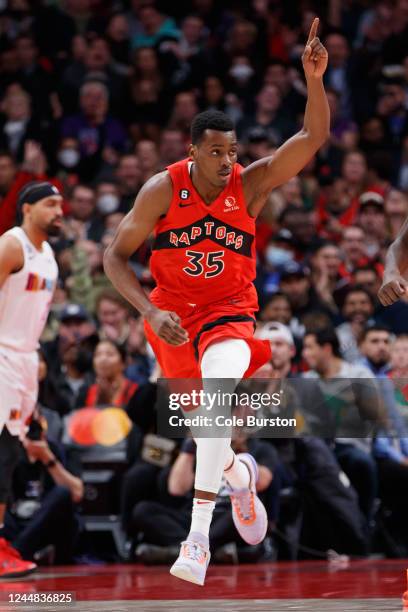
(167, 326)
(315, 56)
(392, 291)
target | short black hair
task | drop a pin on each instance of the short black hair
(121, 348)
(358, 289)
(326, 335)
(210, 120)
(366, 268)
(376, 327)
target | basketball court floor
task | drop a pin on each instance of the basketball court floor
(366, 586)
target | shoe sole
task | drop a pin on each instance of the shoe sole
(17, 574)
(183, 572)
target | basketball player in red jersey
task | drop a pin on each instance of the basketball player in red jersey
(200, 317)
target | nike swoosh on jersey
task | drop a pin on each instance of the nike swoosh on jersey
(184, 205)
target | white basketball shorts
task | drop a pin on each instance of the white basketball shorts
(18, 388)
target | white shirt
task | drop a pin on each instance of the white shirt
(26, 296)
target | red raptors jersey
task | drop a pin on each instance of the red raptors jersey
(203, 253)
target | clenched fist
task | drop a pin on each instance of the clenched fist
(392, 291)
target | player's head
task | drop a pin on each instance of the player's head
(214, 146)
(39, 204)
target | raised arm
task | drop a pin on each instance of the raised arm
(265, 174)
(151, 203)
(396, 266)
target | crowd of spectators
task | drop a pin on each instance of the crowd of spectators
(99, 96)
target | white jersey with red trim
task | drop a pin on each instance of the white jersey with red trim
(26, 295)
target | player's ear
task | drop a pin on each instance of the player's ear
(192, 151)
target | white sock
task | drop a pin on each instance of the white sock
(236, 472)
(201, 519)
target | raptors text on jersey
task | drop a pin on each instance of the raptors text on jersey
(204, 253)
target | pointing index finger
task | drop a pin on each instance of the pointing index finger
(313, 30)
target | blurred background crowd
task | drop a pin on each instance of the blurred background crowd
(97, 96)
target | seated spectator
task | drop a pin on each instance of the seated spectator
(307, 464)
(17, 125)
(371, 218)
(107, 197)
(69, 357)
(278, 73)
(390, 447)
(68, 161)
(343, 131)
(173, 147)
(325, 263)
(399, 373)
(34, 167)
(118, 38)
(111, 387)
(357, 310)
(296, 284)
(277, 308)
(95, 64)
(354, 251)
(100, 136)
(269, 115)
(113, 315)
(184, 110)
(82, 221)
(354, 410)
(302, 224)
(44, 490)
(154, 27)
(338, 71)
(396, 210)
(279, 251)
(129, 176)
(258, 146)
(148, 155)
(33, 77)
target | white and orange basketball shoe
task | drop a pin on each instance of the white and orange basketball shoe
(192, 562)
(248, 512)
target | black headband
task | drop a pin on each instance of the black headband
(34, 193)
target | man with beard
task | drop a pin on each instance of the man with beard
(28, 276)
(357, 310)
(390, 448)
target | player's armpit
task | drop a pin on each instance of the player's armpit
(11, 257)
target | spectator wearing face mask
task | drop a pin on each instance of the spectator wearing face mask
(68, 158)
(100, 135)
(279, 251)
(107, 197)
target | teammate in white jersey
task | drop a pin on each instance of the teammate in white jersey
(28, 276)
